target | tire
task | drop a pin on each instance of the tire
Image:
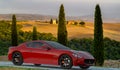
(84, 67)
(65, 62)
(37, 64)
(17, 58)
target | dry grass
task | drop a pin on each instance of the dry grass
(3, 58)
(112, 63)
(111, 30)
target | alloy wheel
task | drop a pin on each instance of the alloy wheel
(17, 58)
(65, 62)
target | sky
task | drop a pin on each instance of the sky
(51, 7)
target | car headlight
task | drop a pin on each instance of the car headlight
(77, 55)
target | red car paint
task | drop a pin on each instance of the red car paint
(41, 55)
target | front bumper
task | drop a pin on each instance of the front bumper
(84, 62)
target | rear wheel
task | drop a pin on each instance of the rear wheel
(65, 62)
(84, 67)
(37, 64)
(17, 58)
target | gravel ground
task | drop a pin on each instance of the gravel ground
(112, 63)
(52, 67)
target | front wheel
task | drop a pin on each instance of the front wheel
(65, 62)
(84, 67)
(17, 58)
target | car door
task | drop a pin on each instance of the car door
(44, 54)
(48, 55)
(31, 52)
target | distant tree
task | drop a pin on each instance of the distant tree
(98, 37)
(14, 35)
(62, 31)
(51, 21)
(34, 35)
(82, 23)
(75, 23)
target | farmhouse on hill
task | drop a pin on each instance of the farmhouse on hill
(54, 22)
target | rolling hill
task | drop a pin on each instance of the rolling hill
(75, 31)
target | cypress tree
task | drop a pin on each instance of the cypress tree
(62, 31)
(51, 21)
(56, 21)
(98, 37)
(34, 35)
(14, 35)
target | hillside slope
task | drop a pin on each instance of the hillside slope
(110, 30)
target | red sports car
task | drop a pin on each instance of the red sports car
(49, 52)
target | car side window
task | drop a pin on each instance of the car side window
(35, 44)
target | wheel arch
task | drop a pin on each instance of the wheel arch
(16, 51)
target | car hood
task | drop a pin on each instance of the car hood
(83, 54)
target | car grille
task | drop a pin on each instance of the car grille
(89, 61)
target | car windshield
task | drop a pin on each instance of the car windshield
(57, 45)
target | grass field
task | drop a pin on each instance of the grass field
(111, 30)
